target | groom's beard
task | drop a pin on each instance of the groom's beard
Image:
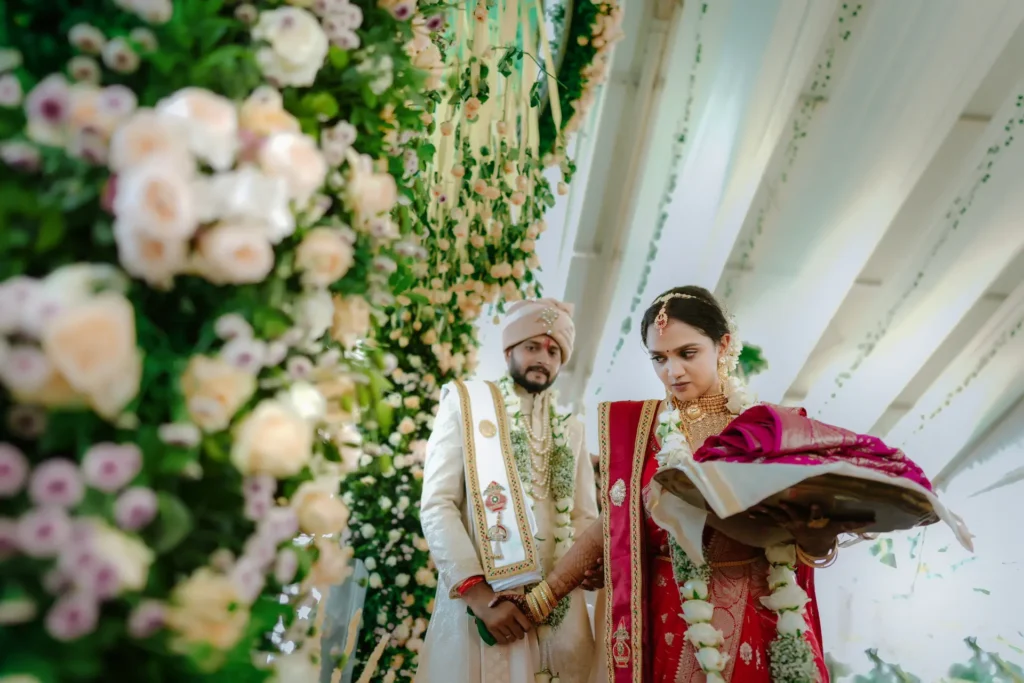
(518, 375)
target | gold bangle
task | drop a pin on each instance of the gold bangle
(535, 611)
(545, 606)
(547, 594)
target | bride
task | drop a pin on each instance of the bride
(724, 608)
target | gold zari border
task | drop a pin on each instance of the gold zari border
(491, 570)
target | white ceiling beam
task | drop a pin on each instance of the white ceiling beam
(971, 394)
(801, 27)
(866, 151)
(995, 461)
(754, 59)
(650, 113)
(950, 271)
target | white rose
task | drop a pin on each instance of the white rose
(247, 194)
(315, 313)
(130, 557)
(780, 575)
(791, 597)
(782, 554)
(234, 252)
(151, 11)
(157, 199)
(210, 123)
(792, 622)
(295, 158)
(87, 38)
(402, 580)
(306, 400)
(710, 659)
(697, 611)
(695, 589)
(704, 635)
(274, 440)
(371, 564)
(375, 581)
(296, 49)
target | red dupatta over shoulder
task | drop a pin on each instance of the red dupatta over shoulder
(624, 430)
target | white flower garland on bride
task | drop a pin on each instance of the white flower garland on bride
(790, 655)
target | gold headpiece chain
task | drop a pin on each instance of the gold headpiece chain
(661, 321)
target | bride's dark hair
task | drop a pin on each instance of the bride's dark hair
(697, 307)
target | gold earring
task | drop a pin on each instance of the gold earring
(723, 370)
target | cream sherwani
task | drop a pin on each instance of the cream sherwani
(453, 651)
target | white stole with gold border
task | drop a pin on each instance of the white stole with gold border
(499, 507)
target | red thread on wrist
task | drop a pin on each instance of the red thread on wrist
(469, 583)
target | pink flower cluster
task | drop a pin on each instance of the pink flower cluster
(275, 526)
(84, 573)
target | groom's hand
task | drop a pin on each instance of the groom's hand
(504, 620)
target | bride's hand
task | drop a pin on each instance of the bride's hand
(594, 577)
(811, 530)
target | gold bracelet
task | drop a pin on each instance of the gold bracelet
(535, 610)
(819, 562)
(547, 594)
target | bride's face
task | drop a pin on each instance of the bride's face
(685, 359)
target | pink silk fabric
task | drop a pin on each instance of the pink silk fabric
(776, 434)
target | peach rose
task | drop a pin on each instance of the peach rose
(351, 319)
(205, 609)
(263, 113)
(92, 344)
(371, 194)
(273, 440)
(157, 199)
(324, 257)
(214, 391)
(150, 258)
(147, 134)
(234, 252)
(319, 510)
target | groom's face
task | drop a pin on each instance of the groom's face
(534, 363)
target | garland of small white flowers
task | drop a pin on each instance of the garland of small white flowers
(563, 475)
(790, 655)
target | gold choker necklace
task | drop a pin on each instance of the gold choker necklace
(702, 417)
(696, 409)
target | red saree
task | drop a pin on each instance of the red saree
(644, 624)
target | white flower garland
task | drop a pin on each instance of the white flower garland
(790, 654)
(563, 484)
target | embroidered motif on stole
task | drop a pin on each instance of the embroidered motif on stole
(507, 548)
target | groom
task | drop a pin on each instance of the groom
(507, 484)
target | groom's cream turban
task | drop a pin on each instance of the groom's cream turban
(526, 319)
